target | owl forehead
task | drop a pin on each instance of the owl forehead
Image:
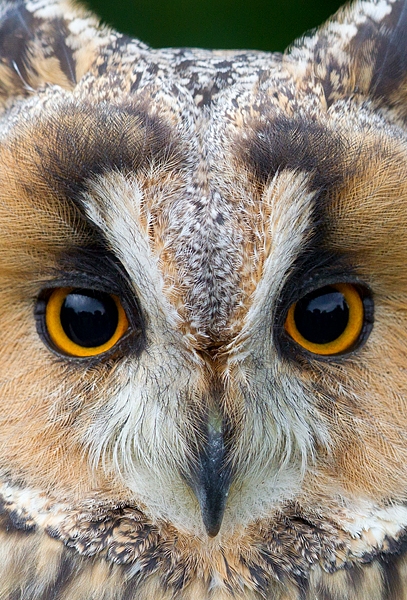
(195, 191)
(188, 203)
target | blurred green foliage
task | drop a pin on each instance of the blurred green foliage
(259, 24)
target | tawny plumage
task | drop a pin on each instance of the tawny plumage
(203, 307)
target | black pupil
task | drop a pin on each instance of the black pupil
(89, 318)
(322, 316)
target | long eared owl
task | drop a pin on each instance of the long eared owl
(203, 308)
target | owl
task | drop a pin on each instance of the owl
(203, 308)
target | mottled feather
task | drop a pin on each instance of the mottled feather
(206, 455)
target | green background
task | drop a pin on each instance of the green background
(259, 24)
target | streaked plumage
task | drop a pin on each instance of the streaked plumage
(207, 454)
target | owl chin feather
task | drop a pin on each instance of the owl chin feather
(100, 538)
(203, 311)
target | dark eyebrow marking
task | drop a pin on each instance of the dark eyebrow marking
(293, 144)
(77, 143)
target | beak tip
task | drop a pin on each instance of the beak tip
(212, 511)
(212, 523)
(212, 533)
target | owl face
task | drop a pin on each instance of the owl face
(203, 305)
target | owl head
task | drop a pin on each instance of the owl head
(203, 307)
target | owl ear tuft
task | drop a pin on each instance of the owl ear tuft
(362, 50)
(45, 42)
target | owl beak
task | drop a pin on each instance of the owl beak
(211, 480)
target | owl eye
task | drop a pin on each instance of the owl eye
(328, 320)
(84, 322)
